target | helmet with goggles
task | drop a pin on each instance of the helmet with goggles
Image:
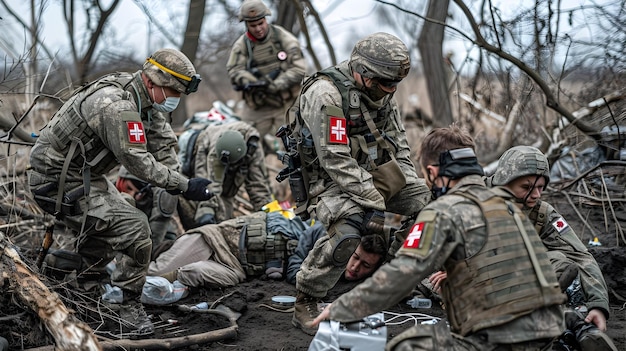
(171, 68)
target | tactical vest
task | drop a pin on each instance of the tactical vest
(539, 216)
(514, 264)
(263, 62)
(369, 151)
(69, 126)
(260, 246)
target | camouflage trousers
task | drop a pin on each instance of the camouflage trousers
(113, 229)
(439, 337)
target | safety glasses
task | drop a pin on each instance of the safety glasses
(388, 83)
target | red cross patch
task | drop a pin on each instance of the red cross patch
(136, 134)
(337, 133)
(560, 224)
(413, 239)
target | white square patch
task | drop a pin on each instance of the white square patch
(560, 224)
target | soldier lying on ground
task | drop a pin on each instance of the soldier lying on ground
(215, 256)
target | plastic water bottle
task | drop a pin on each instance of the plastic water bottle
(112, 294)
(159, 291)
(418, 302)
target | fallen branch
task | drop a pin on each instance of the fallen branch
(229, 332)
(68, 332)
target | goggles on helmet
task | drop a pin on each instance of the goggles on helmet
(388, 83)
(192, 82)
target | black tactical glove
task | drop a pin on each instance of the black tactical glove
(373, 222)
(206, 219)
(197, 191)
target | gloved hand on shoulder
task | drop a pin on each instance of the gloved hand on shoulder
(197, 190)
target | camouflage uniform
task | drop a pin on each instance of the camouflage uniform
(158, 205)
(250, 172)
(110, 122)
(342, 185)
(277, 59)
(564, 246)
(224, 254)
(521, 312)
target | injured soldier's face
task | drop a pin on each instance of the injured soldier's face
(361, 264)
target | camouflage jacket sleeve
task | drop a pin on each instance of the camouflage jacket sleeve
(424, 250)
(203, 167)
(334, 158)
(237, 62)
(557, 235)
(162, 141)
(113, 119)
(294, 67)
(257, 182)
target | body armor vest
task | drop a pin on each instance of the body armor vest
(263, 61)
(68, 125)
(365, 148)
(261, 246)
(514, 263)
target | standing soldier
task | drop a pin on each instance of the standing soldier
(267, 66)
(356, 158)
(501, 292)
(117, 119)
(229, 154)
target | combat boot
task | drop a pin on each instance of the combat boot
(305, 311)
(132, 314)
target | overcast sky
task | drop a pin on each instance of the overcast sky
(344, 19)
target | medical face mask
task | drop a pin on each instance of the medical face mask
(168, 105)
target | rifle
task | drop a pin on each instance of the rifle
(293, 169)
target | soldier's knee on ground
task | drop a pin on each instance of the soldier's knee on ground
(140, 251)
(345, 236)
(59, 263)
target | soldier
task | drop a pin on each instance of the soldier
(156, 203)
(117, 119)
(249, 246)
(525, 171)
(357, 161)
(266, 64)
(230, 155)
(501, 292)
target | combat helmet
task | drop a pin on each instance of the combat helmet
(171, 68)
(230, 147)
(520, 161)
(124, 173)
(252, 10)
(381, 55)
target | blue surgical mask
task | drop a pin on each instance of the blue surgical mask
(168, 105)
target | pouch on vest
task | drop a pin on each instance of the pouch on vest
(388, 179)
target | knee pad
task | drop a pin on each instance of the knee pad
(345, 236)
(140, 251)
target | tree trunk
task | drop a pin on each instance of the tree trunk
(430, 47)
(195, 16)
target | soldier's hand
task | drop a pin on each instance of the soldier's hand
(321, 317)
(197, 190)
